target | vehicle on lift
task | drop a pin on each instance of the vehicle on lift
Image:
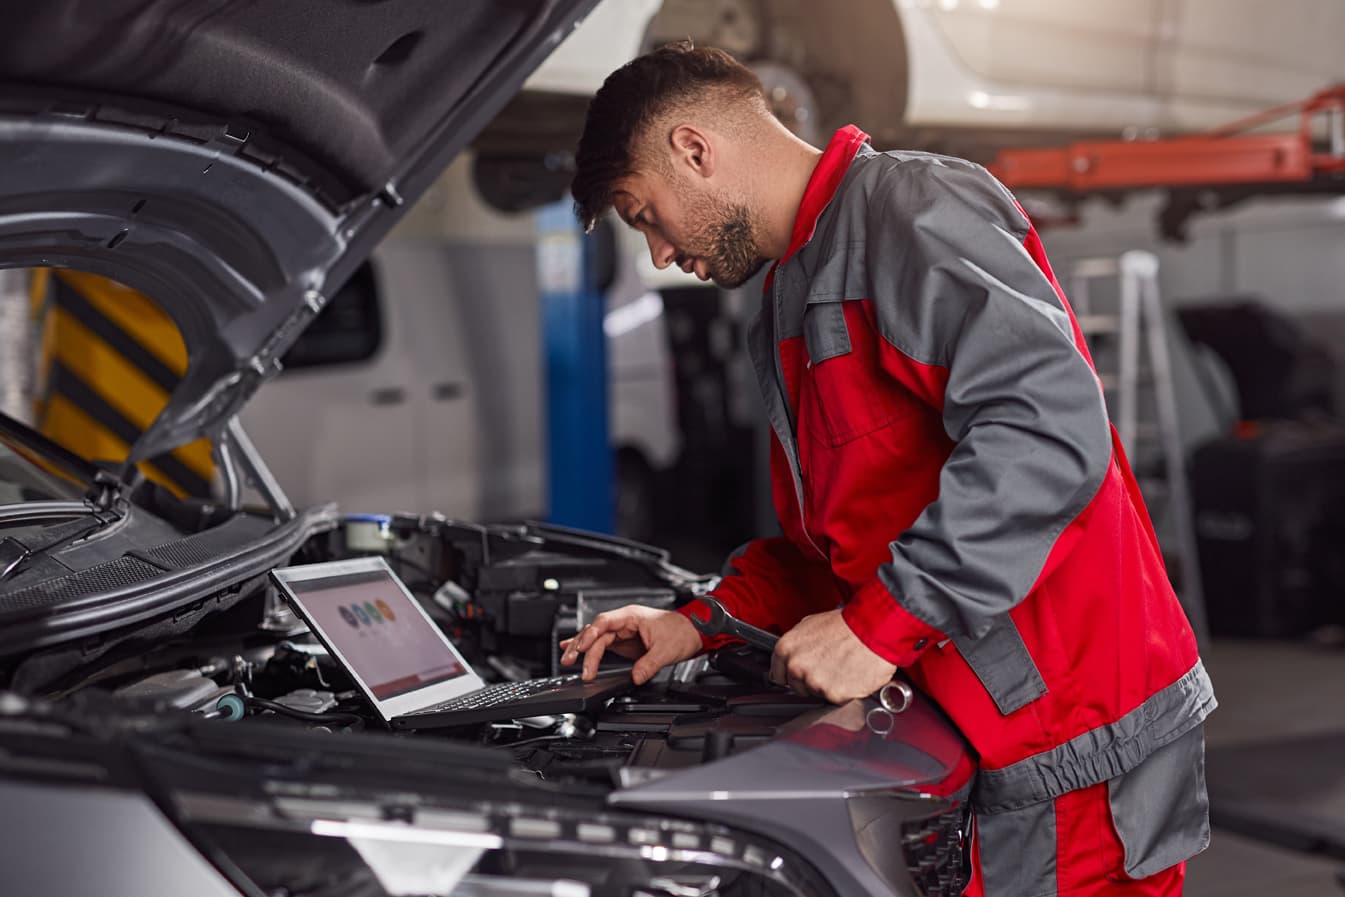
(166, 725)
(967, 76)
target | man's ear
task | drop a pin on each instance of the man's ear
(692, 149)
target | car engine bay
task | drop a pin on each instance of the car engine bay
(247, 734)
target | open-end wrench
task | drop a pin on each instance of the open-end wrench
(721, 622)
(895, 697)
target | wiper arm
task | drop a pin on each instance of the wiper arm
(103, 499)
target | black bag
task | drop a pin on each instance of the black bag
(1270, 525)
(1280, 372)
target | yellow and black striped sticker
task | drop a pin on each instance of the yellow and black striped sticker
(109, 360)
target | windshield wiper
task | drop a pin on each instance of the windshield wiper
(104, 498)
(15, 553)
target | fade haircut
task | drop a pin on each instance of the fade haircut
(635, 96)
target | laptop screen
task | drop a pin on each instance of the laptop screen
(371, 622)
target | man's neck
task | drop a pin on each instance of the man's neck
(786, 169)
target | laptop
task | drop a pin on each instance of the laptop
(412, 673)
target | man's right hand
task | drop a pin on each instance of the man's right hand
(657, 638)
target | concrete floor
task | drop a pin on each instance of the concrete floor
(1235, 866)
(1269, 690)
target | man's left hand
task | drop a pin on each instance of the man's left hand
(822, 656)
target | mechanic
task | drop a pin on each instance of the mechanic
(954, 500)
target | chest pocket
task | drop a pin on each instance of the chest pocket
(849, 394)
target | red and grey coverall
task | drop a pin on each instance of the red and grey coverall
(943, 466)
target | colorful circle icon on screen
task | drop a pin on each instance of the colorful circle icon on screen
(348, 617)
(360, 614)
(372, 612)
(385, 610)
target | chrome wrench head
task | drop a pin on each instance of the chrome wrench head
(714, 624)
(721, 622)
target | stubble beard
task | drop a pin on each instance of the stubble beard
(735, 258)
(727, 242)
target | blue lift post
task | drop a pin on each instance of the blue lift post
(579, 453)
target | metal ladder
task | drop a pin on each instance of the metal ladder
(1138, 323)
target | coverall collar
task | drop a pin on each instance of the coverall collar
(826, 177)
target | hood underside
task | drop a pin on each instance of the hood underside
(237, 159)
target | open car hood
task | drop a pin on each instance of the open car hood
(237, 159)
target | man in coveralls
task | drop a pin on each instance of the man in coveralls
(953, 499)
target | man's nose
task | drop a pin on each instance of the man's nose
(661, 252)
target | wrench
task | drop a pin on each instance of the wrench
(721, 622)
(894, 697)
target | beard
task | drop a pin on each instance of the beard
(726, 240)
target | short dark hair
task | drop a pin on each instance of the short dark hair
(634, 96)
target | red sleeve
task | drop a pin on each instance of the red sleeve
(771, 584)
(885, 627)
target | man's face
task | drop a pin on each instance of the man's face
(702, 232)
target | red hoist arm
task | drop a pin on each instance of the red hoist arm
(1226, 156)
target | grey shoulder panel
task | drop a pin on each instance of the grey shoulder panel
(954, 287)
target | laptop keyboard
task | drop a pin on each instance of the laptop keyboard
(501, 693)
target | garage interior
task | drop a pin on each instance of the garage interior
(1185, 164)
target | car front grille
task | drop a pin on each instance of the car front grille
(936, 852)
